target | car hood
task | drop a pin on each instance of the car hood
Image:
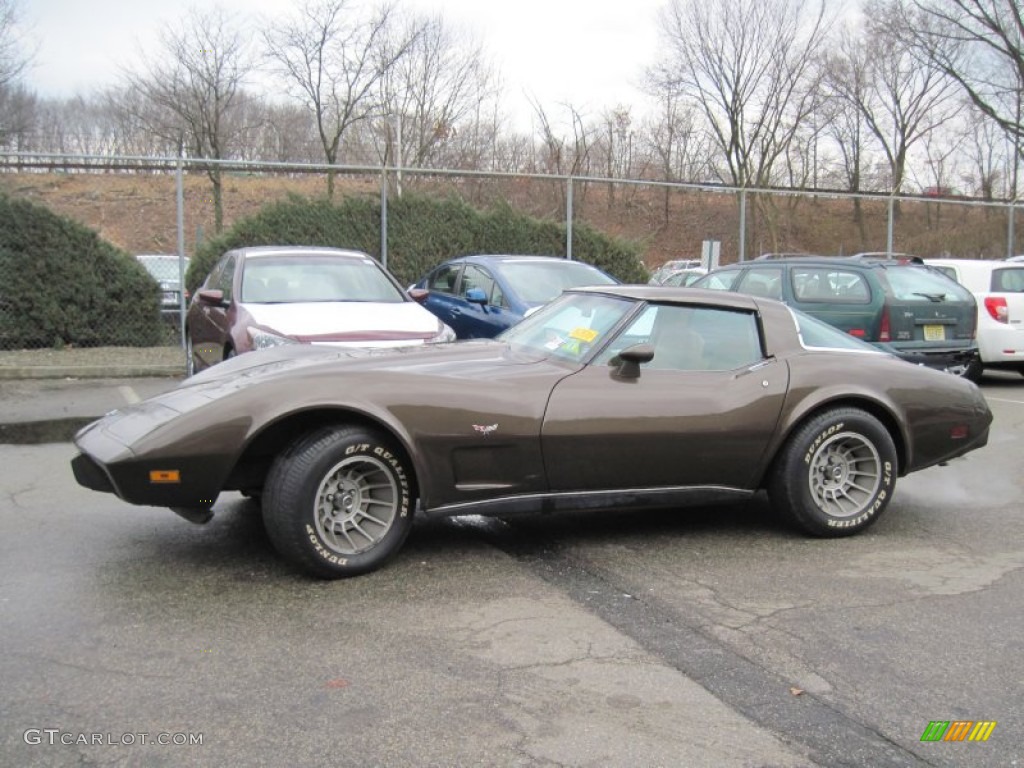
(341, 320)
(476, 359)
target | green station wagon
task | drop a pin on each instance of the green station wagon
(899, 305)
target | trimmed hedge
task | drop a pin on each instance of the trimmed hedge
(61, 284)
(422, 232)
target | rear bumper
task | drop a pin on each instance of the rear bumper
(954, 360)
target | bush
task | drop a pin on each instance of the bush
(61, 284)
(422, 232)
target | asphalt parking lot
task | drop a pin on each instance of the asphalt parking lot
(698, 637)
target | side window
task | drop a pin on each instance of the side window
(692, 338)
(214, 277)
(830, 285)
(762, 281)
(1008, 280)
(225, 277)
(720, 281)
(444, 278)
(476, 277)
(731, 338)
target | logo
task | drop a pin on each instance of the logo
(485, 429)
(958, 730)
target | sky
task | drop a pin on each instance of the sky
(590, 53)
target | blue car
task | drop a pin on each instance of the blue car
(481, 296)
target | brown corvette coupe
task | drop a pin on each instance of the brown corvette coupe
(607, 397)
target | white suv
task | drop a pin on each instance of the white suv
(999, 288)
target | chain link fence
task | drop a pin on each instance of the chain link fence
(170, 207)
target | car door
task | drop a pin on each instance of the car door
(482, 320)
(210, 324)
(700, 413)
(443, 299)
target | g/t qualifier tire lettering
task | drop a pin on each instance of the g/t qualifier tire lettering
(337, 502)
(836, 473)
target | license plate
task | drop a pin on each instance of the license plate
(934, 333)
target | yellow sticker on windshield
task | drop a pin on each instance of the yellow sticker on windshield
(583, 334)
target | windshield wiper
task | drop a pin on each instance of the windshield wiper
(936, 297)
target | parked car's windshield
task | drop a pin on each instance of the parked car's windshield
(570, 326)
(315, 277)
(538, 282)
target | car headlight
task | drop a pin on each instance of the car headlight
(262, 339)
(444, 333)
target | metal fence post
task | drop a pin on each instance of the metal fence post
(1011, 236)
(889, 231)
(568, 219)
(743, 225)
(384, 216)
(180, 203)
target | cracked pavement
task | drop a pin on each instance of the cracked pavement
(702, 637)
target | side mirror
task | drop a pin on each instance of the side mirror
(476, 296)
(630, 359)
(418, 294)
(211, 297)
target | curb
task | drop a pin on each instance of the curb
(49, 431)
(90, 372)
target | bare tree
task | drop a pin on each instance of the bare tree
(13, 58)
(16, 103)
(977, 43)
(905, 98)
(432, 93)
(848, 81)
(985, 144)
(563, 155)
(678, 147)
(132, 116)
(194, 91)
(19, 119)
(747, 65)
(337, 58)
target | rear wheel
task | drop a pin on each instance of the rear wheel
(338, 502)
(836, 474)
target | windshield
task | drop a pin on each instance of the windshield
(815, 334)
(913, 283)
(570, 326)
(540, 281)
(292, 278)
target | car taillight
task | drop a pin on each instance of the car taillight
(860, 333)
(996, 306)
(884, 331)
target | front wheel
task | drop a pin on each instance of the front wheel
(338, 502)
(836, 474)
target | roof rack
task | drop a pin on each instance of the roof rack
(793, 255)
(904, 258)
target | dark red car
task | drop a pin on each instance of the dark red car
(261, 297)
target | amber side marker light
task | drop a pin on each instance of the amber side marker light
(164, 476)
